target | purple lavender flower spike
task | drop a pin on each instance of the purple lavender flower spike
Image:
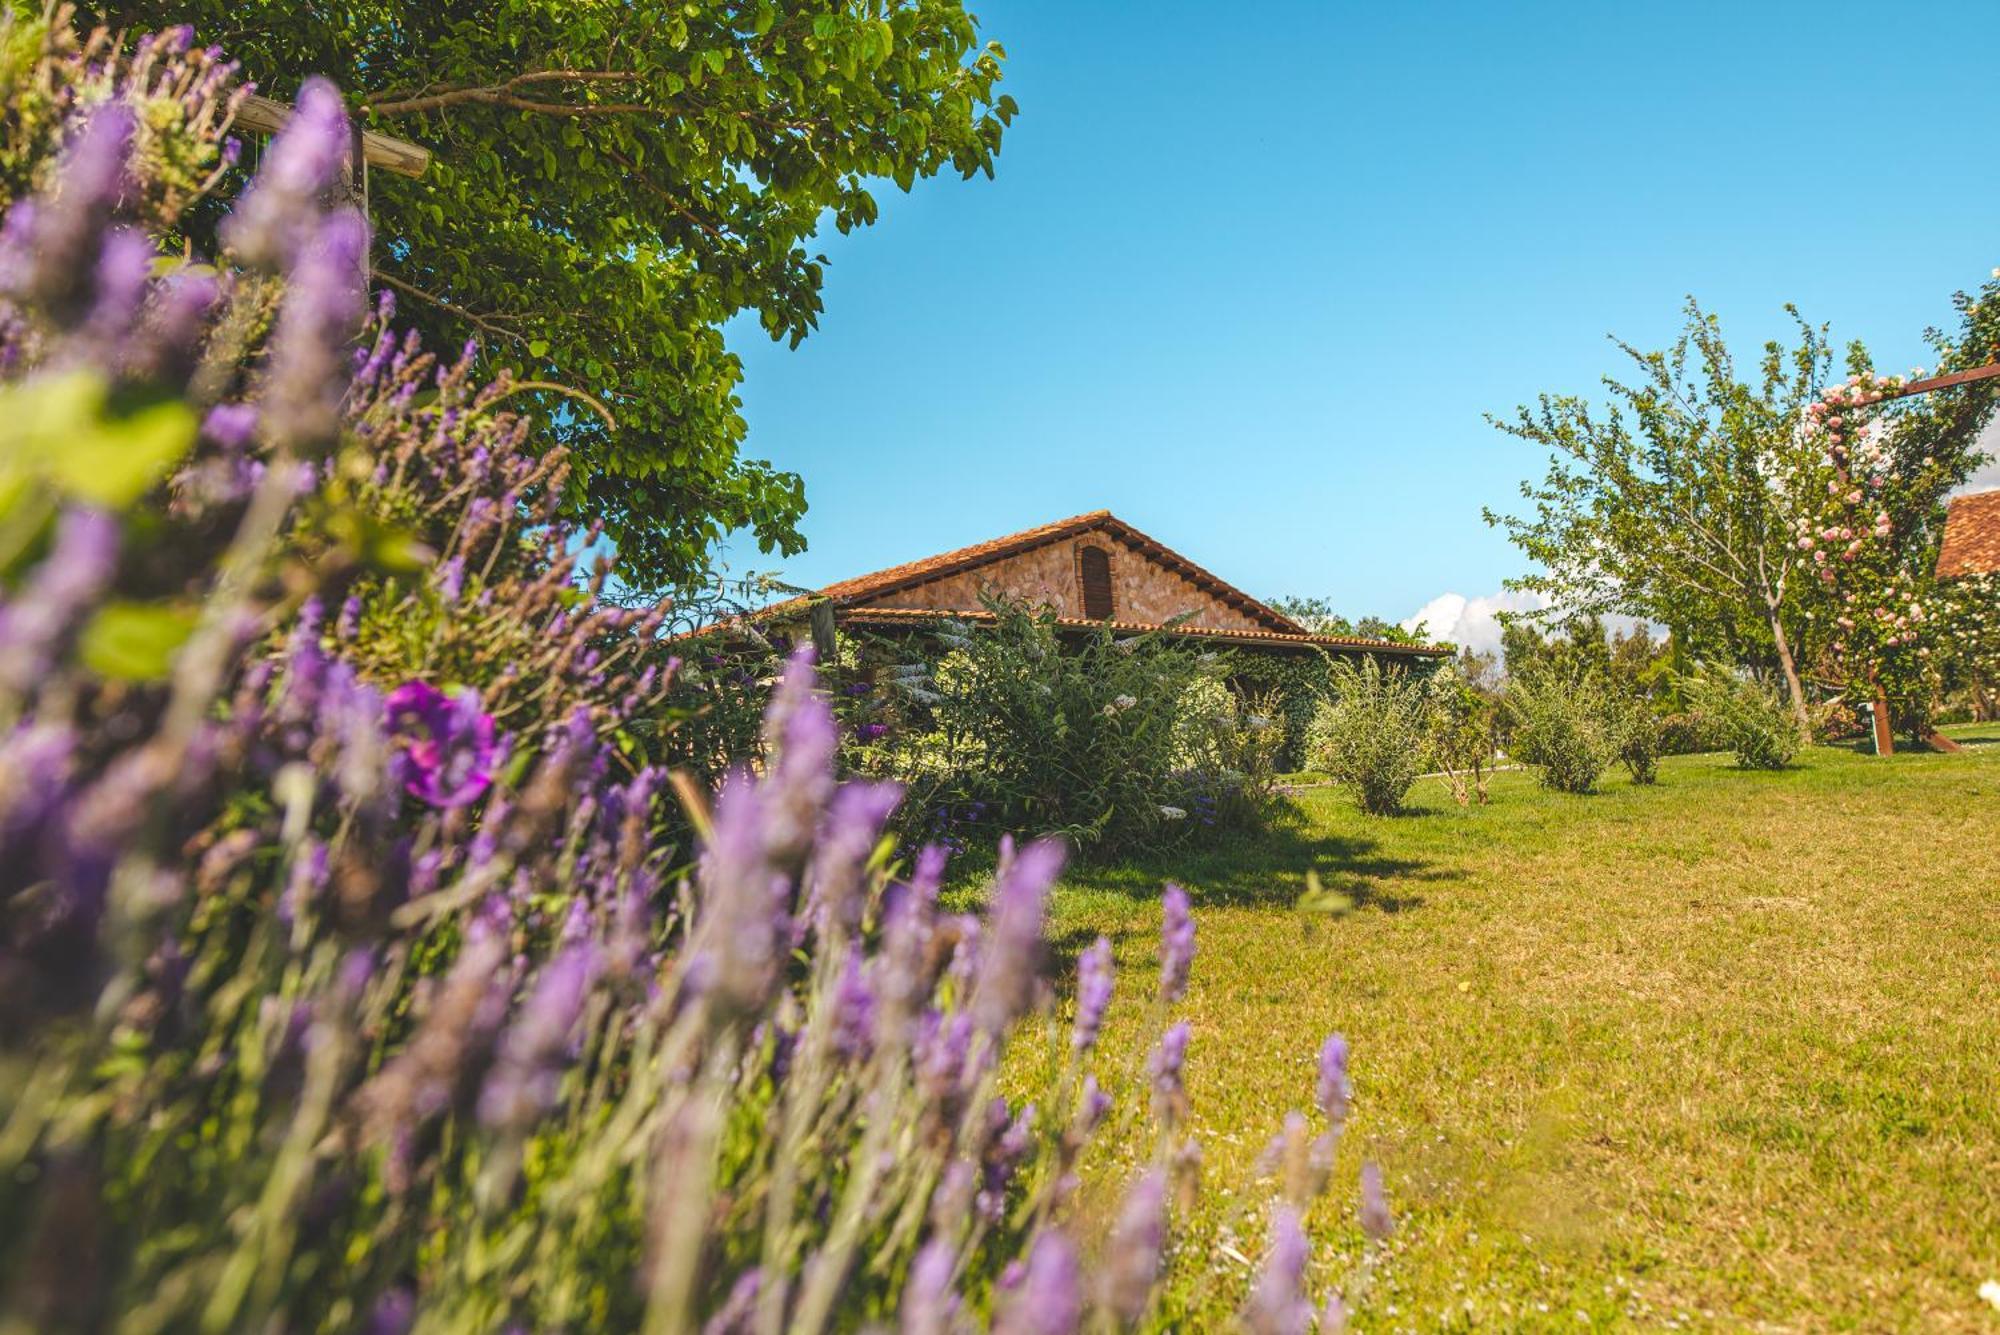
(1049, 1299)
(1164, 1069)
(62, 589)
(323, 309)
(800, 733)
(1333, 1316)
(394, 1313)
(1014, 933)
(231, 425)
(535, 1049)
(175, 322)
(930, 1303)
(1094, 974)
(275, 218)
(1092, 1105)
(1132, 1262)
(1277, 1306)
(450, 756)
(124, 268)
(48, 248)
(738, 1313)
(1376, 1221)
(1176, 944)
(745, 927)
(1334, 1089)
(853, 826)
(854, 1012)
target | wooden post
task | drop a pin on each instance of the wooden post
(1885, 739)
(825, 643)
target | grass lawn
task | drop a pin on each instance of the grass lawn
(1722, 1053)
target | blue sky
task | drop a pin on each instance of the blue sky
(1249, 276)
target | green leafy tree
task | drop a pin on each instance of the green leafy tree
(1666, 505)
(1316, 614)
(614, 180)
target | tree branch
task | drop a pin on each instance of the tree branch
(486, 323)
(502, 94)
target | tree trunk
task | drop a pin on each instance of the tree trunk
(1793, 686)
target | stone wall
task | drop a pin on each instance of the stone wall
(1141, 590)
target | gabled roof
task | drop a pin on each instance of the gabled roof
(850, 592)
(898, 617)
(852, 598)
(1971, 535)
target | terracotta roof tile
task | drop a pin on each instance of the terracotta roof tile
(1971, 535)
(910, 616)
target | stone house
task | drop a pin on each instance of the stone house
(1092, 570)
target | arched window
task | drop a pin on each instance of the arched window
(1093, 566)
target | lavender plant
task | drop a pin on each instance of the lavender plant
(344, 980)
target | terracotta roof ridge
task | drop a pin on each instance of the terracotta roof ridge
(865, 614)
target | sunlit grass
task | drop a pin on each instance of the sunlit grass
(1724, 1052)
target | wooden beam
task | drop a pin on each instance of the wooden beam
(1946, 381)
(263, 115)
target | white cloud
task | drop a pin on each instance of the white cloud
(1988, 474)
(1474, 623)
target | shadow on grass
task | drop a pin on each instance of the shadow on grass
(1268, 869)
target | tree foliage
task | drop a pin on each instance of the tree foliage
(1665, 506)
(612, 182)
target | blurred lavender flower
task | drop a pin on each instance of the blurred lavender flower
(231, 425)
(1092, 1104)
(1333, 1316)
(854, 1011)
(1334, 1090)
(48, 246)
(1277, 1304)
(276, 217)
(1007, 1144)
(1014, 932)
(1049, 1298)
(930, 1304)
(1376, 1220)
(1132, 1262)
(449, 753)
(325, 303)
(394, 1313)
(1176, 944)
(738, 1313)
(535, 1048)
(1094, 973)
(34, 624)
(124, 269)
(1164, 1070)
(744, 929)
(853, 826)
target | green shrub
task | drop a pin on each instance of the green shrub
(1748, 717)
(1370, 733)
(1029, 726)
(1460, 733)
(1560, 723)
(1639, 733)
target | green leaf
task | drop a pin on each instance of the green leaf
(61, 431)
(135, 641)
(114, 461)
